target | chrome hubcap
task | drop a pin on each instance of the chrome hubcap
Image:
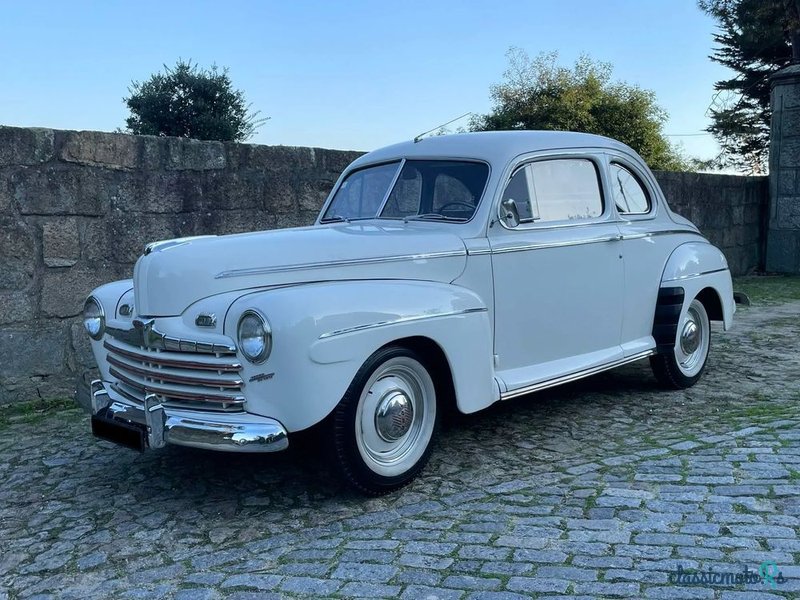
(394, 416)
(691, 347)
(690, 337)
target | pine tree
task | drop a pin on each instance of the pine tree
(754, 41)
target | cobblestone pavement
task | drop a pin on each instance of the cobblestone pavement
(598, 489)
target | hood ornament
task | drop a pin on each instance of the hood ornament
(150, 338)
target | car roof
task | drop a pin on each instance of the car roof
(495, 147)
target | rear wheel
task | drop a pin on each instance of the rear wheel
(682, 367)
(383, 428)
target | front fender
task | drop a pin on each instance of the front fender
(323, 333)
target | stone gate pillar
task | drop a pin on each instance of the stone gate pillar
(783, 232)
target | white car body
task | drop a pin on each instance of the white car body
(513, 309)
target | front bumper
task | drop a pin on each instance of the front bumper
(161, 425)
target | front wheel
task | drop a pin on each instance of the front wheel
(682, 367)
(383, 428)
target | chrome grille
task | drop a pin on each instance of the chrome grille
(178, 378)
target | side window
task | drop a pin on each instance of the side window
(451, 193)
(518, 191)
(565, 189)
(630, 195)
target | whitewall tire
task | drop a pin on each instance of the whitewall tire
(383, 429)
(682, 366)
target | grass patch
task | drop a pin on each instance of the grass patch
(769, 289)
(759, 396)
(26, 412)
(765, 409)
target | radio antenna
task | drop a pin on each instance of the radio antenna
(424, 133)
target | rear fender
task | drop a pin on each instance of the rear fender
(700, 268)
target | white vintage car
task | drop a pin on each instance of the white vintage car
(459, 270)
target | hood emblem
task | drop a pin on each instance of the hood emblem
(206, 320)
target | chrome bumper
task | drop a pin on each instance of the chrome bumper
(228, 432)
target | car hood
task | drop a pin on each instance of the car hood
(174, 274)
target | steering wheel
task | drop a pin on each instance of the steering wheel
(466, 205)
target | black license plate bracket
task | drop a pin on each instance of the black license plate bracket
(130, 435)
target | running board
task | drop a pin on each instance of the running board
(574, 376)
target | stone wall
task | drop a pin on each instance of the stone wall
(76, 209)
(730, 210)
(783, 247)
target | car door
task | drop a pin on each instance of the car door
(558, 272)
(647, 244)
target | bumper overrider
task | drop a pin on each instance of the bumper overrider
(153, 425)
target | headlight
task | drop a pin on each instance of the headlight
(94, 319)
(255, 337)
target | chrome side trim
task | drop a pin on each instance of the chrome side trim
(540, 246)
(637, 236)
(338, 263)
(599, 240)
(574, 376)
(366, 326)
(682, 277)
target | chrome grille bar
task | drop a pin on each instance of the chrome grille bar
(170, 377)
(188, 375)
(180, 360)
(170, 392)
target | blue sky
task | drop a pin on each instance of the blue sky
(350, 75)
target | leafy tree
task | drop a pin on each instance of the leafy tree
(187, 101)
(537, 93)
(754, 41)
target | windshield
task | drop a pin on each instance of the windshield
(443, 190)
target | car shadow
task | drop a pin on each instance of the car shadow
(258, 484)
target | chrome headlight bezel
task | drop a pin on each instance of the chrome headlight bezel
(254, 320)
(94, 318)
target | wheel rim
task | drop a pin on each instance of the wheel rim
(691, 346)
(395, 416)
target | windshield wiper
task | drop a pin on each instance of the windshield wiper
(432, 217)
(341, 219)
